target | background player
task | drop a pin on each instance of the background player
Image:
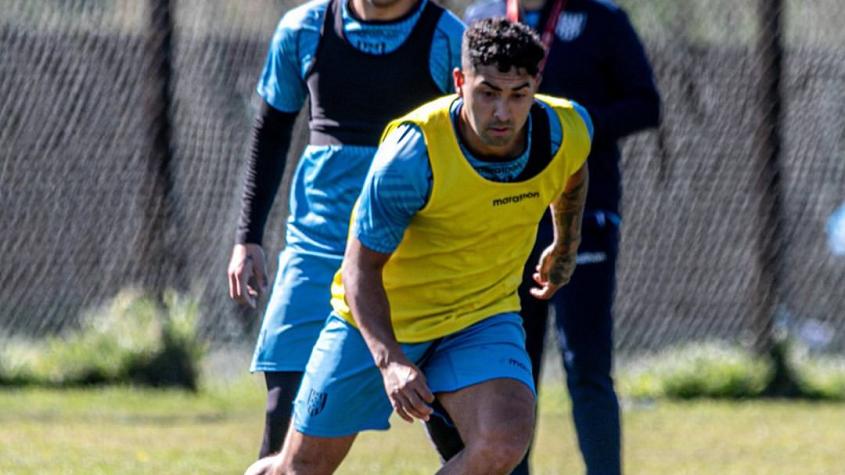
(595, 58)
(362, 63)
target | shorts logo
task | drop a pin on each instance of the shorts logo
(518, 364)
(316, 402)
(515, 198)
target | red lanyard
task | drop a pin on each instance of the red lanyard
(513, 12)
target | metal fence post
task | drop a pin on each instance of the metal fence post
(769, 137)
(161, 260)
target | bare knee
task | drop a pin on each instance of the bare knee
(295, 464)
(306, 464)
(496, 421)
(500, 449)
(303, 454)
(265, 466)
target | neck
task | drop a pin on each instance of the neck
(481, 150)
(368, 11)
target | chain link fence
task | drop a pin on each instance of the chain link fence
(119, 167)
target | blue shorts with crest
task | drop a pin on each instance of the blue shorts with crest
(342, 392)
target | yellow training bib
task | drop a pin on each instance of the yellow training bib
(461, 258)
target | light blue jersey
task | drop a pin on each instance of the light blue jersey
(836, 231)
(328, 178)
(399, 182)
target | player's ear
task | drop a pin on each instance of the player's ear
(458, 77)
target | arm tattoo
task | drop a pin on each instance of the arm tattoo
(567, 211)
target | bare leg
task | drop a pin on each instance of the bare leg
(304, 455)
(496, 422)
(535, 317)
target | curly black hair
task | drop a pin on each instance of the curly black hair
(503, 43)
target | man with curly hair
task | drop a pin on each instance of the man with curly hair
(425, 303)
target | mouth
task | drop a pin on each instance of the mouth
(499, 130)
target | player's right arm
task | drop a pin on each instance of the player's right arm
(271, 136)
(283, 91)
(396, 187)
(404, 383)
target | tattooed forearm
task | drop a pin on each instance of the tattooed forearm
(567, 211)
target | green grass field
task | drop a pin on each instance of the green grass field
(128, 431)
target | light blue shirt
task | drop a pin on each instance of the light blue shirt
(328, 179)
(297, 36)
(399, 183)
(836, 231)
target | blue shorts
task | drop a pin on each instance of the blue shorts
(342, 392)
(299, 303)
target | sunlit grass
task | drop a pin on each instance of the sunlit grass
(126, 430)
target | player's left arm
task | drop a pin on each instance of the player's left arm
(557, 263)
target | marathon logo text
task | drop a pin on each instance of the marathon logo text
(515, 198)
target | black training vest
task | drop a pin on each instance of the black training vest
(355, 94)
(581, 69)
(541, 144)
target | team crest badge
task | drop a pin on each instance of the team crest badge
(316, 402)
(570, 25)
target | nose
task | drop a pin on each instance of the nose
(501, 112)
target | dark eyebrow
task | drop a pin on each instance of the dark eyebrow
(491, 86)
(497, 88)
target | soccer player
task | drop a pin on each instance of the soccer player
(425, 304)
(595, 58)
(361, 63)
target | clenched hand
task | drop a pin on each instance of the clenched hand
(408, 391)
